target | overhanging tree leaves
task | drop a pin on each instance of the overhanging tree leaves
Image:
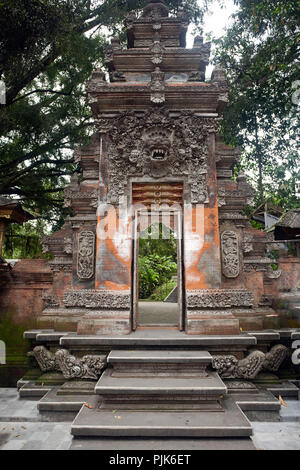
(260, 52)
(49, 49)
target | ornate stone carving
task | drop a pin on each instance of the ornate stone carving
(224, 364)
(256, 264)
(50, 300)
(45, 359)
(103, 299)
(248, 368)
(61, 263)
(218, 77)
(86, 254)
(275, 357)
(155, 10)
(237, 386)
(219, 298)
(157, 51)
(108, 55)
(156, 144)
(117, 76)
(247, 245)
(68, 245)
(157, 86)
(230, 254)
(266, 300)
(89, 367)
(272, 274)
(70, 195)
(196, 76)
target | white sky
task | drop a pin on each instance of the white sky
(214, 25)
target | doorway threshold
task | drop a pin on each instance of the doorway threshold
(158, 326)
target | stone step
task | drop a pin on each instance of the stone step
(30, 389)
(259, 407)
(157, 339)
(210, 386)
(159, 356)
(64, 403)
(230, 422)
(91, 443)
(284, 389)
(156, 363)
(291, 412)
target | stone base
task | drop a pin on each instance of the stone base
(103, 323)
(255, 319)
(162, 444)
(230, 422)
(201, 323)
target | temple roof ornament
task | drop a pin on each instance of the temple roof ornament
(155, 9)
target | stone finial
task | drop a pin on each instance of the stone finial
(218, 77)
(115, 43)
(156, 9)
(198, 41)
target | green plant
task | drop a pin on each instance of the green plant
(163, 291)
(154, 270)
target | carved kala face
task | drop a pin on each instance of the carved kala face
(157, 141)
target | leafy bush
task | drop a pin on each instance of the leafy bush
(163, 291)
(154, 270)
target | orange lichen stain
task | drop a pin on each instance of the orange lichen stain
(195, 279)
(113, 238)
(113, 286)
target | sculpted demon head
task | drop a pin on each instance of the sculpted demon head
(157, 143)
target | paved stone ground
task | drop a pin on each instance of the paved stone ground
(21, 428)
(157, 312)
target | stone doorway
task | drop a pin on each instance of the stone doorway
(161, 224)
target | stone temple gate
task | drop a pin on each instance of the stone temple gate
(157, 156)
(157, 145)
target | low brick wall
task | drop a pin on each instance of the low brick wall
(21, 292)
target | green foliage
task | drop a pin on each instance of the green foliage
(48, 50)
(162, 291)
(24, 241)
(154, 270)
(164, 244)
(260, 52)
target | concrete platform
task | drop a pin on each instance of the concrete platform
(96, 422)
(153, 313)
(176, 444)
(211, 385)
(158, 338)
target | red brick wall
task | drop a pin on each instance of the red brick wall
(22, 289)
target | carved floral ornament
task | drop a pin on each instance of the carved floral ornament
(86, 254)
(87, 367)
(157, 145)
(230, 254)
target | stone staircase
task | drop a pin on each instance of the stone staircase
(161, 393)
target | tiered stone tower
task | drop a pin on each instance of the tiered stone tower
(157, 143)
